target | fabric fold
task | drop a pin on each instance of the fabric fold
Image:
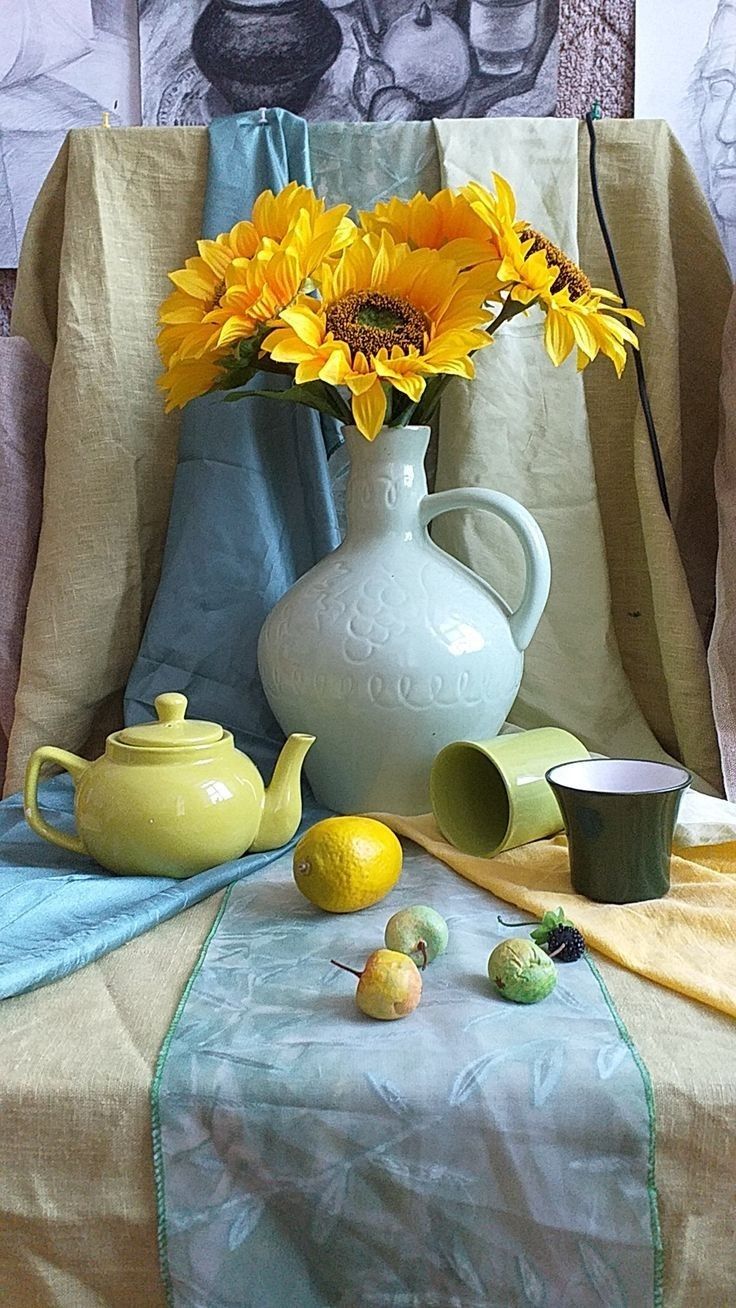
(618, 658)
(684, 941)
(24, 381)
(252, 508)
(722, 647)
(59, 912)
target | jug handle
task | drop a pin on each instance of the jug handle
(72, 764)
(523, 620)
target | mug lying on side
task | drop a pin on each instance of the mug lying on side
(491, 795)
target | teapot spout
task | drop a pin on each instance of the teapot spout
(282, 805)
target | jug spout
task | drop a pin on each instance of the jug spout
(282, 805)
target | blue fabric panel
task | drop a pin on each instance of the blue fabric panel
(252, 507)
(59, 912)
(252, 510)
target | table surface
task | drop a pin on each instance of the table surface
(79, 1222)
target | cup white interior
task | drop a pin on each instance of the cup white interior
(619, 776)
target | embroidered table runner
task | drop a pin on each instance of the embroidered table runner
(478, 1154)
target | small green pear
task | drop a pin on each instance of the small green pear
(389, 985)
(521, 971)
(418, 931)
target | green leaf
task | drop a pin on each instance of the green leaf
(237, 375)
(241, 364)
(315, 395)
(549, 922)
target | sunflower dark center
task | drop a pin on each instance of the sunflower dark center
(568, 275)
(369, 321)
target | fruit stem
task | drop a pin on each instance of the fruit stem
(345, 967)
(422, 947)
(557, 951)
(513, 924)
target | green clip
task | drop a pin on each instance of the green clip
(595, 110)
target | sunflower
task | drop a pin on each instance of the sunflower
(389, 318)
(274, 216)
(187, 379)
(533, 270)
(577, 314)
(445, 222)
(257, 289)
(240, 281)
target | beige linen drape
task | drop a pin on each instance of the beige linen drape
(722, 650)
(122, 207)
(118, 210)
(619, 657)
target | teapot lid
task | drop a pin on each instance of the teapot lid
(172, 728)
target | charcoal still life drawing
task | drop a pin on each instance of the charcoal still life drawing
(63, 64)
(348, 60)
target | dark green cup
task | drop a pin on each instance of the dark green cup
(620, 817)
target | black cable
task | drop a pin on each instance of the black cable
(638, 362)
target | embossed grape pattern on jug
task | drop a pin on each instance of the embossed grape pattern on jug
(389, 648)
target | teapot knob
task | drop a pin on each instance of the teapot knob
(170, 707)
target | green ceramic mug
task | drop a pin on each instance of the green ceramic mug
(620, 816)
(491, 795)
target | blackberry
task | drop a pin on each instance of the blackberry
(565, 944)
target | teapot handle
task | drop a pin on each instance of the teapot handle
(523, 621)
(72, 764)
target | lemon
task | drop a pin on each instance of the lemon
(343, 864)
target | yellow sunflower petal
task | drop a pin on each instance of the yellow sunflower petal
(306, 323)
(336, 364)
(369, 410)
(308, 370)
(235, 328)
(359, 383)
(216, 255)
(187, 381)
(558, 337)
(197, 283)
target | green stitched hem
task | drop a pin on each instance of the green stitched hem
(651, 1157)
(158, 1167)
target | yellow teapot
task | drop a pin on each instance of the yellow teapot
(172, 797)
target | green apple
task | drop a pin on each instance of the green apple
(521, 971)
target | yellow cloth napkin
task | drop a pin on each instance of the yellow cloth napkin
(685, 941)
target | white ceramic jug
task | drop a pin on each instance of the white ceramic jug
(389, 648)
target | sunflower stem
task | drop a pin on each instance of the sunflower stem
(429, 403)
(510, 309)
